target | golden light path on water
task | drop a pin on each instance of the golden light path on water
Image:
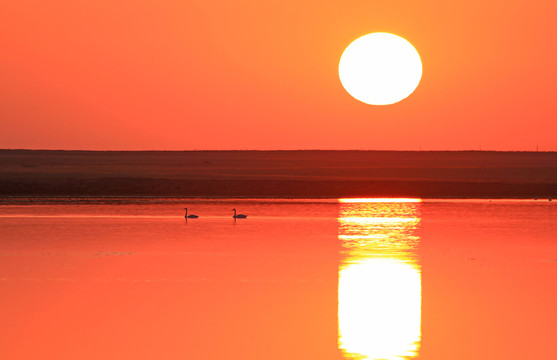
(379, 200)
(379, 291)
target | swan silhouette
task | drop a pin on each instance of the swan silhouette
(238, 216)
(191, 216)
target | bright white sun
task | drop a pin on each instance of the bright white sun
(380, 68)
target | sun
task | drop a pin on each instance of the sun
(380, 68)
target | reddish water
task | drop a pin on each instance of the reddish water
(295, 280)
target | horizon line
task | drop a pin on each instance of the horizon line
(279, 150)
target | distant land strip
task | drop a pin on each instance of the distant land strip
(279, 174)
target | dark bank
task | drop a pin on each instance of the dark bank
(285, 174)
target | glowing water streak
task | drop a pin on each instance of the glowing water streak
(379, 200)
(379, 281)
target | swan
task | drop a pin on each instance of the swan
(191, 216)
(239, 216)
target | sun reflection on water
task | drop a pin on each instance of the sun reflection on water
(379, 200)
(379, 292)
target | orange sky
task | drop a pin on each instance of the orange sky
(244, 74)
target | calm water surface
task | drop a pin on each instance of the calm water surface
(305, 279)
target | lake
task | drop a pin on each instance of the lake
(297, 279)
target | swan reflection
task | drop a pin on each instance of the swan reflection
(379, 291)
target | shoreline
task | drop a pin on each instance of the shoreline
(284, 174)
(62, 200)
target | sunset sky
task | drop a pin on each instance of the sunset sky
(244, 74)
